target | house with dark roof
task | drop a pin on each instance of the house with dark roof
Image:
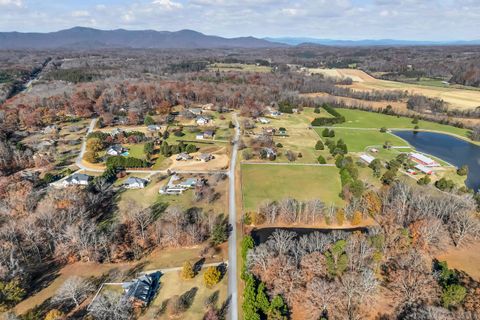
(142, 290)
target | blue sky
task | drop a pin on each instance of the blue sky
(338, 19)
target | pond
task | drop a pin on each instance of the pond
(261, 235)
(448, 148)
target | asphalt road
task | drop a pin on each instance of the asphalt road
(232, 219)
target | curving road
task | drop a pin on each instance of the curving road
(232, 219)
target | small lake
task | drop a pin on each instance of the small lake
(448, 148)
(262, 234)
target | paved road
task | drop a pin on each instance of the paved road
(232, 219)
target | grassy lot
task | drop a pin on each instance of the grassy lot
(358, 140)
(171, 284)
(149, 195)
(262, 183)
(365, 119)
(136, 150)
(238, 67)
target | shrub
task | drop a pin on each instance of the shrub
(319, 145)
(211, 277)
(148, 121)
(321, 160)
(55, 314)
(279, 145)
(187, 271)
(190, 148)
(463, 170)
(91, 156)
(316, 110)
(424, 180)
(383, 129)
(340, 216)
(453, 295)
(95, 144)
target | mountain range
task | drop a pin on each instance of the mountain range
(296, 41)
(89, 38)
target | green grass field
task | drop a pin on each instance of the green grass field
(262, 183)
(365, 119)
(358, 140)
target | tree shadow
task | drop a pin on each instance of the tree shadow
(186, 299)
(198, 265)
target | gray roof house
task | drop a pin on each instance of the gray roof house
(208, 134)
(184, 156)
(115, 150)
(188, 183)
(77, 179)
(135, 183)
(196, 111)
(143, 289)
(205, 157)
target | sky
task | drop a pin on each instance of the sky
(439, 20)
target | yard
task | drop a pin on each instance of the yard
(365, 119)
(268, 182)
(171, 285)
(359, 140)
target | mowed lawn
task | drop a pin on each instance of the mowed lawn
(358, 140)
(365, 119)
(261, 183)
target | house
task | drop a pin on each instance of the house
(202, 120)
(367, 158)
(116, 150)
(269, 153)
(263, 120)
(275, 113)
(205, 157)
(209, 134)
(196, 111)
(153, 127)
(424, 169)
(412, 172)
(199, 136)
(142, 290)
(423, 160)
(77, 179)
(269, 131)
(173, 188)
(135, 183)
(184, 156)
(374, 150)
(295, 110)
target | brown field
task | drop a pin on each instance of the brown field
(457, 98)
(465, 258)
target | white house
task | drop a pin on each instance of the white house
(202, 121)
(263, 120)
(135, 183)
(153, 127)
(173, 188)
(367, 158)
(116, 150)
